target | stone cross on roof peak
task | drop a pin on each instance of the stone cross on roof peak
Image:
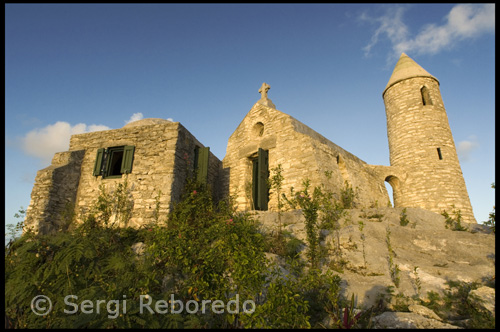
(263, 90)
(263, 98)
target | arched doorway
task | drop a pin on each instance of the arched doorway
(394, 189)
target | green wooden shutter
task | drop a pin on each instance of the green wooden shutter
(255, 181)
(196, 155)
(202, 165)
(262, 176)
(128, 158)
(98, 162)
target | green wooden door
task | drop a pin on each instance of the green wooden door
(260, 189)
(201, 164)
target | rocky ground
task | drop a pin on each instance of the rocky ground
(371, 244)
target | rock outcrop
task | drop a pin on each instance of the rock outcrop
(425, 253)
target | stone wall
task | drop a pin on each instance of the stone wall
(302, 153)
(54, 193)
(163, 159)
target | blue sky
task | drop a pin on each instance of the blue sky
(74, 68)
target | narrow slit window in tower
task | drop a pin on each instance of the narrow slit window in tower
(426, 97)
(439, 154)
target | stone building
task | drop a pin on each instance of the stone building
(157, 155)
(425, 171)
(154, 155)
(267, 138)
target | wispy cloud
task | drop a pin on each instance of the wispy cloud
(43, 143)
(466, 147)
(390, 25)
(463, 22)
(135, 117)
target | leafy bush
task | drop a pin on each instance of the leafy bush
(403, 219)
(202, 252)
(457, 304)
(310, 205)
(454, 223)
(284, 307)
(205, 252)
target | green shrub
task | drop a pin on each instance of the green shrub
(457, 304)
(454, 223)
(205, 252)
(403, 219)
(283, 308)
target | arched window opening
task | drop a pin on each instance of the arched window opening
(258, 129)
(394, 189)
(426, 97)
(388, 187)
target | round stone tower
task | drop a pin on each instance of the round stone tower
(421, 144)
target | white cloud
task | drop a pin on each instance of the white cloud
(464, 21)
(465, 148)
(135, 117)
(391, 24)
(45, 142)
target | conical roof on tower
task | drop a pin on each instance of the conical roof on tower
(406, 68)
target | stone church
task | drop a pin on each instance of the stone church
(156, 157)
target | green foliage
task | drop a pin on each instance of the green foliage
(491, 220)
(310, 205)
(458, 304)
(454, 223)
(321, 205)
(276, 184)
(361, 226)
(293, 247)
(322, 291)
(112, 208)
(212, 253)
(283, 308)
(205, 252)
(347, 317)
(393, 267)
(14, 231)
(403, 219)
(433, 301)
(91, 262)
(156, 213)
(347, 196)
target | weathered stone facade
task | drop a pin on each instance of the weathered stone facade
(163, 157)
(159, 154)
(421, 143)
(301, 152)
(424, 172)
(54, 192)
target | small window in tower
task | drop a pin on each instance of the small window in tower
(439, 154)
(426, 97)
